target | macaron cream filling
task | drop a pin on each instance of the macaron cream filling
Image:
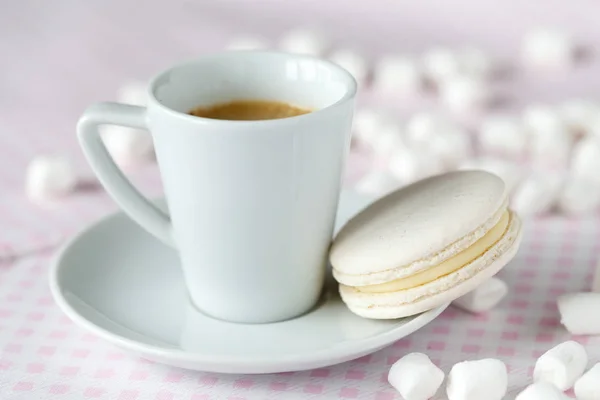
(448, 266)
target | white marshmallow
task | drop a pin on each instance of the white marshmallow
(551, 149)
(476, 380)
(588, 386)
(503, 135)
(127, 146)
(247, 43)
(579, 312)
(440, 64)
(596, 279)
(464, 93)
(415, 377)
(541, 391)
(485, 297)
(548, 49)
(452, 147)
(388, 140)
(508, 171)
(475, 62)
(304, 41)
(410, 165)
(49, 177)
(377, 183)
(422, 127)
(536, 195)
(135, 93)
(398, 75)
(367, 124)
(540, 118)
(580, 196)
(562, 365)
(585, 159)
(351, 62)
(580, 115)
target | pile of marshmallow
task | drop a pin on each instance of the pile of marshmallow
(548, 156)
(561, 368)
(49, 177)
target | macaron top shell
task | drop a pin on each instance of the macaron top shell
(417, 227)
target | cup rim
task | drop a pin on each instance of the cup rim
(347, 77)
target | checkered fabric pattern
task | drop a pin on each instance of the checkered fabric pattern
(44, 355)
(48, 75)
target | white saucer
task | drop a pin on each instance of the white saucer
(120, 283)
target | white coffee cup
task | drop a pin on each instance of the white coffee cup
(252, 203)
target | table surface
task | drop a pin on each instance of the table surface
(61, 56)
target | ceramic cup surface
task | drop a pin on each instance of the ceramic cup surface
(251, 204)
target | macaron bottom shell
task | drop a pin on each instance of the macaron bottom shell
(407, 302)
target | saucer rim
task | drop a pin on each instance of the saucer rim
(348, 350)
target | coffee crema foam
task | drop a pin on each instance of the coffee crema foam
(249, 110)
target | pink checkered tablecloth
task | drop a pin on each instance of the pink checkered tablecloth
(43, 355)
(60, 56)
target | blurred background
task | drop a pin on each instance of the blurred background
(60, 56)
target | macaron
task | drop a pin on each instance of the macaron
(425, 245)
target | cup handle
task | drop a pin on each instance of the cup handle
(135, 205)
